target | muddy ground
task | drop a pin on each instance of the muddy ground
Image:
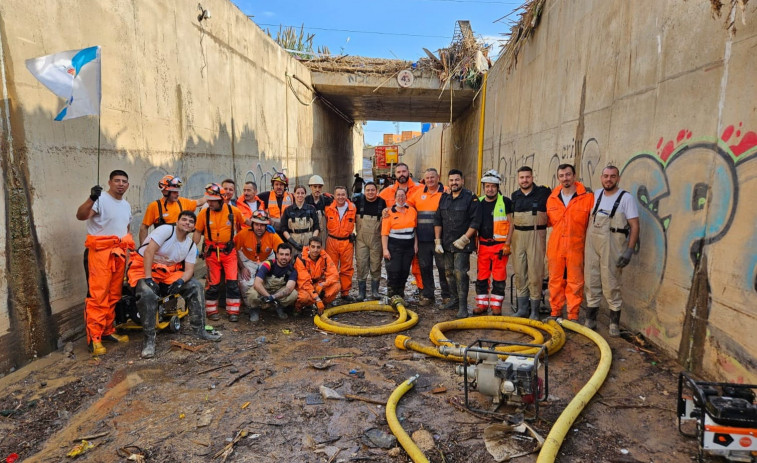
(177, 408)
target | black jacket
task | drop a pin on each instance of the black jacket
(456, 216)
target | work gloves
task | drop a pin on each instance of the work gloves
(438, 246)
(94, 193)
(269, 299)
(320, 306)
(152, 285)
(625, 258)
(175, 287)
(461, 242)
(505, 251)
(270, 229)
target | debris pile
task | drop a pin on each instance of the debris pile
(521, 31)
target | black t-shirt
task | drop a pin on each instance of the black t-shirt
(371, 208)
(525, 203)
(487, 224)
(322, 204)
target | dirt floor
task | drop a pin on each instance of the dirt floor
(257, 392)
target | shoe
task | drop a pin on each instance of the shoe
(254, 315)
(479, 311)
(115, 338)
(425, 302)
(233, 317)
(214, 316)
(462, 313)
(450, 305)
(214, 335)
(281, 314)
(97, 348)
(347, 299)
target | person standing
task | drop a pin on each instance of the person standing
(357, 185)
(425, 200)
(368, 249)
(613, 234)
(218, 223)
(230, 192)
(340, 222)
(319, 201)
(399, 242)
(404, 182)
(249, 202)
(107, 245)
(529, 242)
(568, 209)
(167, 210)
(455, 224)
(300, 222)
(277, 200)
(493, 245)
(163, 266)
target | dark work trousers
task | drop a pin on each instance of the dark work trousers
(426, 258)
(398, 267)
(456, 266)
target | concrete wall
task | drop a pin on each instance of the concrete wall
(661, 90)
(202, 101)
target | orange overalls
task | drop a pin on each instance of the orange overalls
(339, 244)
(106, 260)
(161, 211)
(315, 278)
(254, 252)
(218, 228)
(245, 209)
(565, 250)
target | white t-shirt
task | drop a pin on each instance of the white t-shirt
(172, 251)
(627, 204)
(566, 198)
(112, 217)
(342, 210)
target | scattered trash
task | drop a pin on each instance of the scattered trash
(423, 439)
(358, 373)
(375, 437)
(245, 405)
(209, 328)
(43, 384)
(92, 437)
(131, 453)
(439, 390)
(181, 345)
(253, 436)
(394, 452)
(286, 331)
(313, 399)
(329, 393)
(624, 451)
(182, 416)
(80, 449)
(229, 448)
(505, 442)
(260, 340)
(321, 365)
(240, 377)
(11, 458)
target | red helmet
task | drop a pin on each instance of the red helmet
(214, 191)
(280, 177)
(170, 183)
(260, 216)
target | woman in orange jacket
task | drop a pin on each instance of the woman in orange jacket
(400, 243)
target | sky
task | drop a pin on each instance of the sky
(385, 29)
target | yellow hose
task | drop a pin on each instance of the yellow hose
(520, 325)
(406, 319)
(565, 421)
(391, 418)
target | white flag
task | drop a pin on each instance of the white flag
(73, 75)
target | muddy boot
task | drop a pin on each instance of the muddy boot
(591, 318)
(535, 304)
(147, 304)
(451, 305)
(254, 315)
(193, 295)
(280, 312)
(375, 289)
(614, 328)
(361, 289)
(462, 312)
(523, 307)
(96, 348)
(148, 345)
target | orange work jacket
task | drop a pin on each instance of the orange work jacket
(568, 223)
(340, 228)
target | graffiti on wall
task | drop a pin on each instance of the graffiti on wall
(694, 194)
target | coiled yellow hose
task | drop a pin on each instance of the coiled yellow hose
(406, 318)
(394, 424)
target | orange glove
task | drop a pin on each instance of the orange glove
(320, 306)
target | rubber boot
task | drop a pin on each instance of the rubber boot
(451, 305)
(523, 308)
(97, 348)
(375, 289)
(591, 318)
(254, 315)
(361, 290)
(192, 292)
(535, 305)
(280, 312)
(147, 303)
(614, 329)
(462, 312)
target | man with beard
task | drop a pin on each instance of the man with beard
(493, 245)
(218, 223)
(425, 199)
(368, 240)
(317, 277)
(277, 200)
(613, 234)
(404, 182)
(249, 202)
(340, 222)
(529, 239)
(455, 223)
(167, 210)
(568, 209)
(274, 285)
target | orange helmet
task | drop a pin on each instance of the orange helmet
(280, 177)
(170, 183)
(260, 216)
(214, 191)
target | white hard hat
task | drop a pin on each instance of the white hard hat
(491, 176)
(315, 180)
